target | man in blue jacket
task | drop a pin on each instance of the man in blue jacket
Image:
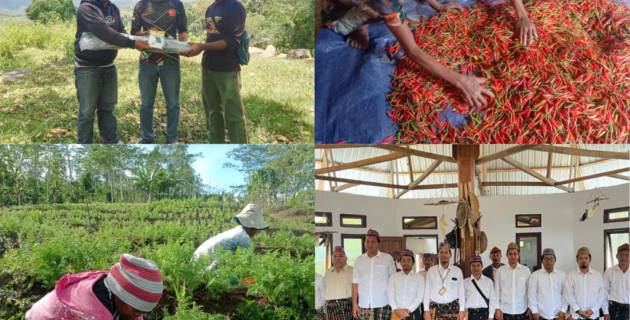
(95, 73)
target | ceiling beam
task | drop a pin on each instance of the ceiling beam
(533, 173)
(504, 153)
(386, 185)
(619, 176)
(320, 162)
(361, 163)
(424, 175)
(344, 186)
(414, 152)
(549, 162)
(593, 176)
(515, 183)
(582, 152)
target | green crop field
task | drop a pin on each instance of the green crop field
(41, 243)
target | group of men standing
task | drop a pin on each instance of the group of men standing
(373, 290)
(96, 77)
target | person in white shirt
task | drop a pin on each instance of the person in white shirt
(370, 275)
(427, 262)
(396, 256)
(510, 286)
(444, 296)
(480, 305)
(338, 281)
(584, 288)
(617, 283)
(405, 289)
(319, 297)
(491, 270)
(545, 289)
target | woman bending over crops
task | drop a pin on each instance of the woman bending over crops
(352, 17)
(130, 288)
(250, 220)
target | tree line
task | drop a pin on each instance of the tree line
(47, 174)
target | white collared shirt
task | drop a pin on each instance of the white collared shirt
(423, 272)
(320, 288)
(372, 275)
(545, 293)
(584, 292)
(453, 282)
(475, 300)
(510, 286)
(405, 291)
(617, 285)
(338, 284)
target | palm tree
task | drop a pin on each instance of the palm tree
(144, 179)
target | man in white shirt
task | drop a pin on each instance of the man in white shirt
(480, 298)
(405, 289)
(444, 296)
(617, 283)
(427, 262)
(396, 256)
(545, 290)
(319, 297)
(370, 275)
(491, 270)
(584, 289)
(338, 281)
(510, 286)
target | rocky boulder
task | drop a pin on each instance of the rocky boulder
(299, 54)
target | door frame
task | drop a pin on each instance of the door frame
(538, 236)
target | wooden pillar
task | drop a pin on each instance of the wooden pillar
(466, 155)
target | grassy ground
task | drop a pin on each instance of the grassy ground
(278, 96)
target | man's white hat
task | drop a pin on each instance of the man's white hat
(251, 217)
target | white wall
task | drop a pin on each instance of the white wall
(560, 214)
(590, 233)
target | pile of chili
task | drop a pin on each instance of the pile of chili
(571, 85)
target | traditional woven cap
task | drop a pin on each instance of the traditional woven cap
(548, 251)
(476, 259)
(374, 233)
(407, 253)
(136, 281)
(583, 250)
(513, 245)
(426, 256)
(339, 249)
(623, 247)
(444, 245)
(495, 250)
(251, 217)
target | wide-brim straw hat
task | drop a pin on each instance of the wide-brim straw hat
(251, 217)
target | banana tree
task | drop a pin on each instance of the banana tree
(144, 179)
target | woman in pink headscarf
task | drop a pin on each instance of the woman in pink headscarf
(132, 287)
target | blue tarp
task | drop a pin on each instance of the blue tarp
(350, 84)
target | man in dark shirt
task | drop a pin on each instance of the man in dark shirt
(95, 73)
(168, 16)
(225, 21)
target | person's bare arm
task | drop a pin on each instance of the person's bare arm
(525, 28)
(197, 48)
(446, 7)
(182, 36)
(355, 303)
(471, 86)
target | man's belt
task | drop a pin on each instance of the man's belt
(477, 310)
(620, 305)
